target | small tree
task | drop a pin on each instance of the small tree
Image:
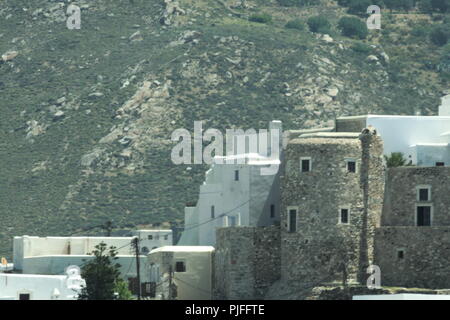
(440, 5)
(122, 290)
(359, 7)
(261, 18)
(399, 4)
(319, 24)
(396, 159)
(425, 6)
(295, 24)
(362, 48)
(353, 27)
(440, 34)
(101, 274)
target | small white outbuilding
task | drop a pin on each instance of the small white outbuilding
(40, 287)
(187, 268)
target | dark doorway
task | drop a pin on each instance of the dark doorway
(424, 216)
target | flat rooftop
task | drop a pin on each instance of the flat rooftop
(252, 159)
(183, 249)
(327, 137)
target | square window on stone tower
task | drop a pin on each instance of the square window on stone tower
(423, 194)
(424, 216)
(351, 166)
(305, 164)
(400, 254)
(344, 216)
(292, 220)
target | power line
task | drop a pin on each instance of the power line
(219, 216)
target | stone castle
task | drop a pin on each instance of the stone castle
(341, 210)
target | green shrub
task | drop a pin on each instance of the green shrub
(444, 60)
(440, 34)
(361, 48)
(440, 5)
(395, 159)
(295, 24)
(353, 27)
(261, 18)
(319, 24)
(343, 3)
(425, 6)
(399, 4)
(420, 31)
(430, 6)
(359, 7)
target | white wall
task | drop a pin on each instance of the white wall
(151, 239)
(56, 265)
(400, 133)
(41, 246)
(444, 108)
(40, 287)
(24, 247)
(247, 200)
(196, 282)
(428, 155)
(190, 233)
(264, 191)
(193, 284)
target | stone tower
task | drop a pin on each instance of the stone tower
(332, 193)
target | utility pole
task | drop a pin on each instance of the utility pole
(136, 250)
(170, 282)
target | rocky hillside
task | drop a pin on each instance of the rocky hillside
(87, 115)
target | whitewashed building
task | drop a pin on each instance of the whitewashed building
(235, 193)
(152, 239)
(423, 140)
(185, 272)
(52, 255)
(40, 287)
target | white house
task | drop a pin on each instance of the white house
(187, 268)
(152, 239)
(40, 287)
(423, 140)
(234, 193)
(52, 255)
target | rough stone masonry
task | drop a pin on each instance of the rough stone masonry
(338, 218)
